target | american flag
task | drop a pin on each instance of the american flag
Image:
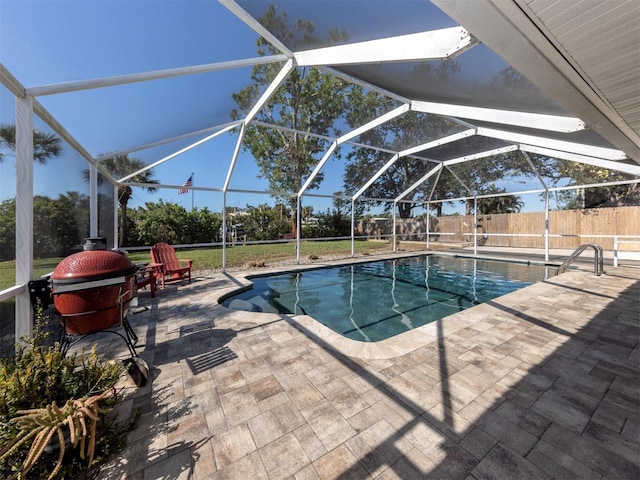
(186, 185)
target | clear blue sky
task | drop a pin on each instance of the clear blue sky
(48, 42)
(53, 41)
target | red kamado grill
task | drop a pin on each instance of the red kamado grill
(92, 291)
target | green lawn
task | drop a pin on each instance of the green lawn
(211, 258)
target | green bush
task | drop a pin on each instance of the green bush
(33, 383)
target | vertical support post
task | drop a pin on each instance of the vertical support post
(224, 232)
(116, 236)
(93, 200)
(353, 228)
(615, 251)
(24, 213)
(428, 223)
(298, 230)
(475, 225)
(546, 225)
(225, 187)
(395, 206)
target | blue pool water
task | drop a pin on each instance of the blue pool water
(376, 300)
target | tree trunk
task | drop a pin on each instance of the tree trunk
(294, 224)
(123, 225)
(294, 218)
(404, 210)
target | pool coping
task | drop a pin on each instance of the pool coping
(397, 345)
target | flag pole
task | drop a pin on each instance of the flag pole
(192, 192)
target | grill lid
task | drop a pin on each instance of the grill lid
(92, 265)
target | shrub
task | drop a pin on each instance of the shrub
(36, 434)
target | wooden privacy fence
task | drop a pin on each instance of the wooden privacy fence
(568, 229)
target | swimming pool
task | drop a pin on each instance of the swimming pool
(377, 300)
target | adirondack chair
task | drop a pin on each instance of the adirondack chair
(171, 269)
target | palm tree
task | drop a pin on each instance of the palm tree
(45, 145)
(499, 204)
(121, 166)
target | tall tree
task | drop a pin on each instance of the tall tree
(265, 222)
(410, 129)
(121, 166)
(307, 104)
(45, 145)
(563, 172)
(510, 83)
(56, 230)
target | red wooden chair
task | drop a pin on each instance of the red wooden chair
(171, 268)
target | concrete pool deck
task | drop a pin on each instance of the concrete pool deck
(541, 383)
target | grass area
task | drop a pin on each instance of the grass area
(40, 267)
(245, 255)
(211, 258)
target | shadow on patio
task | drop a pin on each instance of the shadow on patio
(544, 385)
(573, 415)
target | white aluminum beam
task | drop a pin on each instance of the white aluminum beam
(319, 166)
(282, 75)
(147, 76)
(234, 159)
(410, 151)
(93, 200)
(554, 123)
(11, 82)
(147, 146)
(523, 192)
(354, 133)
(179, 152)
(571, 147)
(365, 85)
(60, 130)
(24, 213)
(254, 24)
(331, 139)
(264, 192)
(116, 237)
(433, 190)
(533, 167)
(12, 292)
(377, 175)
(506, 29)
(167, 186)
(396, 112)
(546, 224)
(475, 156)
(418, 183)
(595, 185)
(433, 45)
(293, 130)
(232, 166)
(464, 185)
(436, 143)
(617, 166)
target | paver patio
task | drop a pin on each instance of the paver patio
(541, 383)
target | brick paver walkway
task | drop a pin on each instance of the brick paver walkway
(541, 383)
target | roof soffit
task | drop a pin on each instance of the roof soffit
(507, 30)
